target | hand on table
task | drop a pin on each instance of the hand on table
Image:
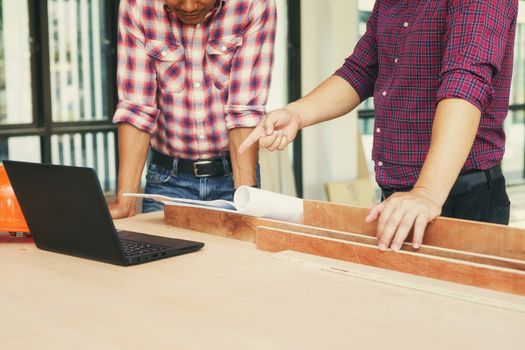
(401, 212)
(122, 208)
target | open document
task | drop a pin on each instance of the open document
(246, 200)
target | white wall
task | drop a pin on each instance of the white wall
(276, 167)
(329, 32)
(279, 87)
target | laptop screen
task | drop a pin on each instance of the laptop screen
(65, 209)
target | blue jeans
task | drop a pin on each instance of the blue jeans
(166, 182)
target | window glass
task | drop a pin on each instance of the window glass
(26, 148)
(94, 150)
(365, 8)
(518, 80)
(366, 120)
(15, 64)
(77, 52)
(514, 160)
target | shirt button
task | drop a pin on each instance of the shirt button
(197, 84)
(223, 48)
(380, 163)
(395, 61)
(405, 24)
(384, 93)
(378, 130)
(163, 53)
(201, 137)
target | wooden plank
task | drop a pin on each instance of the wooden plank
(424, 250)
(473, 274)
(461, 235)
(469, 236)
(403, 280)
(220, 223)
(243, 228)
(225, 224)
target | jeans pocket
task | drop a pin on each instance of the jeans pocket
(157, 174)
(499, 195)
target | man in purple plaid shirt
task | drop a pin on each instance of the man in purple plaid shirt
(440, 74)
(193, 80)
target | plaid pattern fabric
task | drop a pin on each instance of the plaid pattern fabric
(187, 85)
(417, 53)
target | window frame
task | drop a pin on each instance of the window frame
(42, 124)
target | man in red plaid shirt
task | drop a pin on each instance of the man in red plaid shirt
(193, 80)
(440, 74)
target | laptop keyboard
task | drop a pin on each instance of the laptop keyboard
(131, 247)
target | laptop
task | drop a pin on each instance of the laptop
(66, 212)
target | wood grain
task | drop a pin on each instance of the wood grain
(469, 236)
(243, 228)
(224, 224)
(231, 296)
(478, 275)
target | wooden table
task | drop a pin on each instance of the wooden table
(232, 296)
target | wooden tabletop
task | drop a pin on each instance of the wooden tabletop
(231, 296)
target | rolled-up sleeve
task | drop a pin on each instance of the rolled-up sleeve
(251, 68)
(136, 78)
(361, 68)
(474, 49)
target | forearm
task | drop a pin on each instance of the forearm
(243, 165)
(332, 99)
(453, 133)
(133, 147)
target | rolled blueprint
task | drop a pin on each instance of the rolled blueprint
(266, 204)
(246, 200)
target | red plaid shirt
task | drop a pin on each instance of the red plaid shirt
(417, 53)
(187, 85)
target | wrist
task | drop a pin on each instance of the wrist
(125, 201)
(296, 114)
(435, 197)
(254, 186)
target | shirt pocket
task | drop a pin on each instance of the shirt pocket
(219, 54)
(169, 64)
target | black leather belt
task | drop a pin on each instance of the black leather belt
(464, 182)
(198, 168)
(480, 177)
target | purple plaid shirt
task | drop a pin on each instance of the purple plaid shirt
(417, 53)
(188, 85)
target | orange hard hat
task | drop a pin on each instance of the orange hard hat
(11, 217)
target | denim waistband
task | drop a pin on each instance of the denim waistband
(197, 168)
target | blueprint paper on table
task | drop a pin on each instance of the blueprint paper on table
(246, 200)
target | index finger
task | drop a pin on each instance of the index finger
(252, 138)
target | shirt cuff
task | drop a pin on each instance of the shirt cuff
(467, 86)
(243, 116)
(142, 117)
(361, 85)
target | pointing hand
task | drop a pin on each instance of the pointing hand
(275, 132)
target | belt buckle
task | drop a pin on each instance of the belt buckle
(196, 168)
